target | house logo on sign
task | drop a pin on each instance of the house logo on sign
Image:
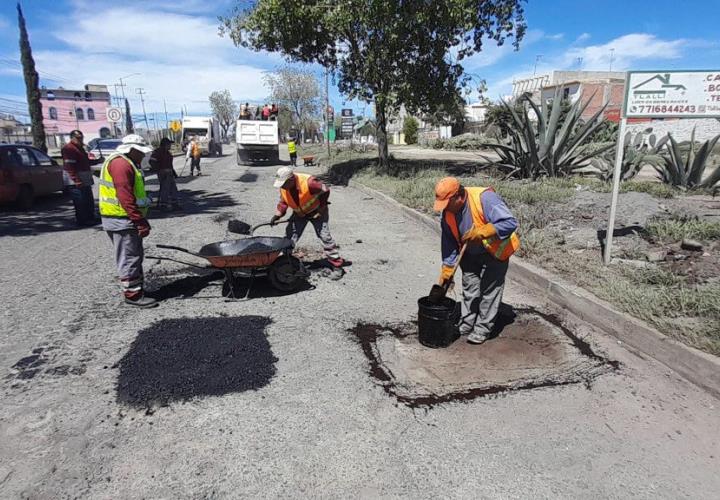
(656, 87)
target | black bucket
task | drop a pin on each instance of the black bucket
(437, 322)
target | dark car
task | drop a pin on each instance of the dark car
(27, 172)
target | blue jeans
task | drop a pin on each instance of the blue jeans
(84, 203)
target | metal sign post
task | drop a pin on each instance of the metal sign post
(661, 94)
(615, 191)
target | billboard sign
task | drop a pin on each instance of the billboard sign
(347, 123)
(672, 94)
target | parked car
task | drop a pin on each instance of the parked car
(25, 173)
(99, 149)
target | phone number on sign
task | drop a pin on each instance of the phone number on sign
(663, 109)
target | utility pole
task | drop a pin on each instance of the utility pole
(327, 112)
(142, 101)
(537, 59)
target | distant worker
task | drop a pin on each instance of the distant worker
(258, 113)
(479, 217)
(79, 179)
(266, 112)
(194, 153)
(123, 209)
(162, 162)
(292, 150)
(243, 111)
(274, 112)
(308, 198)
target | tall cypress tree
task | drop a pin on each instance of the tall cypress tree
(129, 129)
(31, 85)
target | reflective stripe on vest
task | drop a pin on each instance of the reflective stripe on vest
(308, 202)
(498, 248)
(108, 202)
(291, 147)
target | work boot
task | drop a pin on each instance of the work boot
(142, 301)
(476, 338)
(336, 273)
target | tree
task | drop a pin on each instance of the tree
(410, 129)
(129, 129)
(297, 90)
(32, 88)
(224, 109)
(390, 52)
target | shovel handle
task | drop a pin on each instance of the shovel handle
(454, 269)
(252, 230)
(171, 247)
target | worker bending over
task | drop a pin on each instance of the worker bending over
(478, 217)
(308, 198)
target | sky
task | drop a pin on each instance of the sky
(174, 53)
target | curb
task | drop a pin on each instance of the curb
(700, 368)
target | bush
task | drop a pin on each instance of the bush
(410, 129)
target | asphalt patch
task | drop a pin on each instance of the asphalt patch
(535, 350)
(178, 360)
(238, 227)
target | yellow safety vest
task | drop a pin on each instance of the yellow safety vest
(291, 147)
(109, 203)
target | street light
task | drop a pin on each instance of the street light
(122, 85)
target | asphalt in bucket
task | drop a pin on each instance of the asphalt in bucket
(535, 350)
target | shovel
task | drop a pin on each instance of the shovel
(438, 292)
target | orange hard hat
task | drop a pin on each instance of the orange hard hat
(445, 189)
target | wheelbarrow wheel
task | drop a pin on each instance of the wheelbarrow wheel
(286, 274)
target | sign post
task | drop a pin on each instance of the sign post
(661, 94)
(346, 126)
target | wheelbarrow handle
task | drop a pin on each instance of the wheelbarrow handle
(268, 224)
(172, 247)
(178, 261)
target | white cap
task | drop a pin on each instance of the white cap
(133, 141)
(282, 175)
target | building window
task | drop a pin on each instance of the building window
(566, 93)
(53, 113)
(90, 114)
(88, 96)
(50, 95)
(79, 114)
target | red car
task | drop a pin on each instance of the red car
(26, 172)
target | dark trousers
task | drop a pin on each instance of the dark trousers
(293, 159)
(194, 164)
(84, 203)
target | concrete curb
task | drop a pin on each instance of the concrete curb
(700, 368)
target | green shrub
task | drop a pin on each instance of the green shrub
(677, 227)
(410, 129)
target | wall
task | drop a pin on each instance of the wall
(680, 129)
(66, 121)
(601, 93)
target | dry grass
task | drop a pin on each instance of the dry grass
(678, 227)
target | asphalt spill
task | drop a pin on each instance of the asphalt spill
(178, 360)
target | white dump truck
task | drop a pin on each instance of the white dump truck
(257, 140)
(207, 130)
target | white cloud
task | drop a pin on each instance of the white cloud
(624, 51)
(583, 37)
(179, 54)
(556, 36)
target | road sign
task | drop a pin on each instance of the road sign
(175, 126)
(347, 123)
(672, 94)
(114, 115)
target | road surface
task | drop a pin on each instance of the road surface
(272, 397)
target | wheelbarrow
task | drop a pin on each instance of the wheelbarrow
(251, 257)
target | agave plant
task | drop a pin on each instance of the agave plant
(687, 172)
(635, 156)
(551, 145)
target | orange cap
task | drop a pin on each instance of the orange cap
(445, 189)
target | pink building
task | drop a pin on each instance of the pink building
(66, 110)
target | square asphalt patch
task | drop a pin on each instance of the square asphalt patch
(533, 350)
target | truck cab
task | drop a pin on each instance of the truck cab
(207, 131)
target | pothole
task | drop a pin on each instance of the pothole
(534, 350)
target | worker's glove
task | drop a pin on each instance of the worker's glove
(446, 274)
(274, 219)
(479, 233)
(143, 229)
